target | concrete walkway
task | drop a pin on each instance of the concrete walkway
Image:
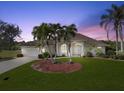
(11, 64)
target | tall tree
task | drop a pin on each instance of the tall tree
(37, 36)
(8, 34)
(69, 33)
(114, 20)
(56, 35)
(42, 33)
(11, 32)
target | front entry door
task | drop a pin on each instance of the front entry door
(77, 49)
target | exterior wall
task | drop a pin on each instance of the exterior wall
(98, 49)
(87, 48)
(93, 49)
(83, 49)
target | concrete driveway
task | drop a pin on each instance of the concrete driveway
(11, 64)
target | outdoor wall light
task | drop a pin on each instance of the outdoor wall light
(99, 47)
(43, 50)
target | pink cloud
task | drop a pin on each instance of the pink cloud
(96, 32)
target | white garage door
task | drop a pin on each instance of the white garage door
(30, 51)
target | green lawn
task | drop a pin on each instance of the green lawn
(7, 54)
(96, 74)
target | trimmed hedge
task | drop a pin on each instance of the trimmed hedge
(44, 55)
(121, 57)
(89, 54)
(20, 55)
(40, 56)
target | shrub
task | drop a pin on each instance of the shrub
(40, 56)
(20, 55)
(57, 62)
(46, 55)
(114, 56)
(53, 55)
(110, 52)
(105, 56)
(63, 55)
(100, 54)
(89, 54)
(121, 57)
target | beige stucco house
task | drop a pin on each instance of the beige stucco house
(80, 45)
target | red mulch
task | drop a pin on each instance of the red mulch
(48, 66)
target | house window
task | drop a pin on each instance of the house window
(64, 49)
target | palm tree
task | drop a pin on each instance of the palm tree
(56, 35)
(37, 36)
(121, 16)
(68, 33)
(114, 20)
(43, 35)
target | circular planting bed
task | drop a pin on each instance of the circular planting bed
(48, 66)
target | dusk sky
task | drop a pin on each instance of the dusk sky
(85, 14)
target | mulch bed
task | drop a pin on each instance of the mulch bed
(48, 66)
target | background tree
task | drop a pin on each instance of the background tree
(11, 32)
(8, 34)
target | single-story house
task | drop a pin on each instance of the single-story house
(80, 46)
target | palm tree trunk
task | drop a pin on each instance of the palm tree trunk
(108, 35)
(122, 46)
(121, 38)
(55, 50)
(69, 52)
(122, 49)
(49, 52)
(70, 60)
(116, 42)
(67, 47)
